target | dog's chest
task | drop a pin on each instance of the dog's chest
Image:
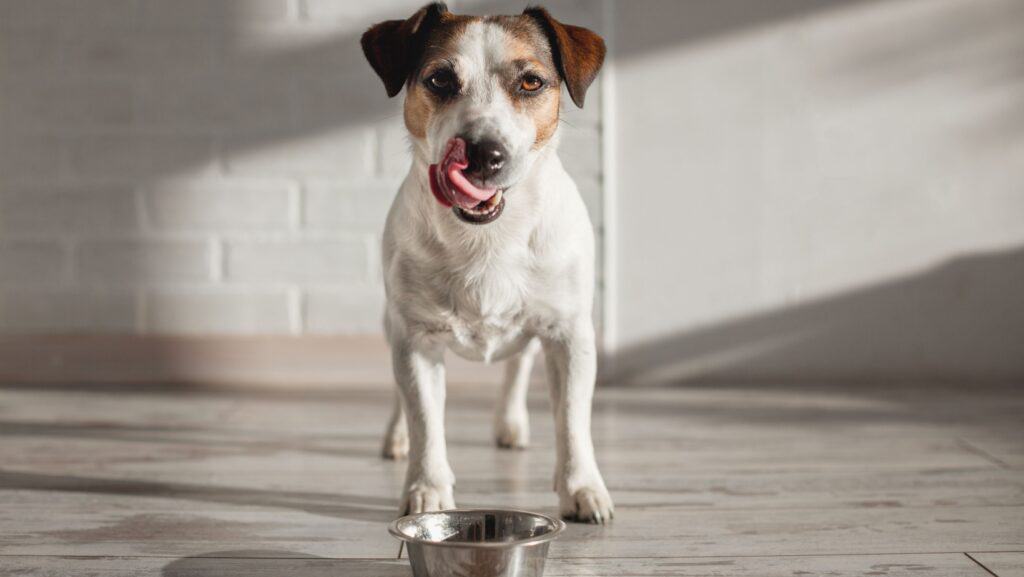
(487, 312)
(485, 339)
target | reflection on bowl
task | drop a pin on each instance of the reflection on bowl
(477, 542)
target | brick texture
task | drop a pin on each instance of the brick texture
(205, 311)
(129, 262)
(207, 166)
(32, 263)
(297, 261)
(352, 309)
(219, 206)
(54, 210)
(66, 311)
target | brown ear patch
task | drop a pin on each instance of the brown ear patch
(394, 47)
(578, 52)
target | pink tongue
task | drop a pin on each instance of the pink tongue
(463, 185)
(453, 184)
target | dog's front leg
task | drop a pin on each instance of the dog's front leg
(419, 371)
(572, 368)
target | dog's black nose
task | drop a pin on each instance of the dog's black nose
(486, 158)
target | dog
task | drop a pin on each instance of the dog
(488, 250)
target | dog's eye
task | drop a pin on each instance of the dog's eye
(442, 82)
(531, 83)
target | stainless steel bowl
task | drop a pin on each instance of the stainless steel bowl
(477, 542)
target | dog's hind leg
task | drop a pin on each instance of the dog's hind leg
(396, 439)
(511, 419)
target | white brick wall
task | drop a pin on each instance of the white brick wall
(207, 166)
(33, 263)
(233, 311)
(297, 260)
(24, 310)
(220, 206)
(149, 262)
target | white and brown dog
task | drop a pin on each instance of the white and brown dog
(488, 250)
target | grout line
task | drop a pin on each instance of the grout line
(297, 197)
(390, 558)
(789, 555)
(680, 507)
(142, 313)
(141, 199)
(296, 310)
(982, 565)
(609, 198)
(216, 262)
(372, 160)
(293, 11)
(974, 449)
(69, 274)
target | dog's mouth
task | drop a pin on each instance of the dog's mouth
(451, 188)
(484, 212)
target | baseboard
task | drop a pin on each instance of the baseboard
(305, 361)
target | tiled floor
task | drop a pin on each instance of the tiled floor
(720, 480)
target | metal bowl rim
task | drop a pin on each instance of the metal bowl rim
(557, 526)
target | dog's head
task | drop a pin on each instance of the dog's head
(482, 94)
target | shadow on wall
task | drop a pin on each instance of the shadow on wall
(946, 47)
(908, 329)
(215, 86)
(233, 86)
(945, 44)
(681, 23)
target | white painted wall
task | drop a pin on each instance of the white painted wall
(818, 189)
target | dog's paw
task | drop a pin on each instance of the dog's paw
(424, 498)
(396, 446)
(512, 431)
(588, 505)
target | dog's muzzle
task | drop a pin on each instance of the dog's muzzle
(451, 187)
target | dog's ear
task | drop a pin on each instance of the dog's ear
(578, 52)
(394, 47)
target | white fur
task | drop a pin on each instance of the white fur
(491, 292)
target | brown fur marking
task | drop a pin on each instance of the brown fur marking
(579, 52)
(420, 104)
(528, 49)
(402, 50)
(394, 47)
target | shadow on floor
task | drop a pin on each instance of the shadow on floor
(337, 505)
(271, 563)
(212, 440)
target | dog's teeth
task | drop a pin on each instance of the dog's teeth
(484, 208)
(493, 201)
